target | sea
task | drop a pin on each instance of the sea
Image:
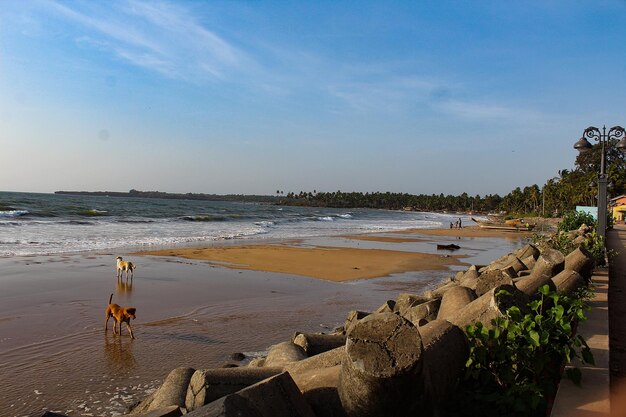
(48, 224)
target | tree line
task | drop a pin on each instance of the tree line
(557, 196)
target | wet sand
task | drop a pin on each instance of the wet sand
(54, 353)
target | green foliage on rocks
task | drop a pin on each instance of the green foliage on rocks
(514, 366)
(572, 220)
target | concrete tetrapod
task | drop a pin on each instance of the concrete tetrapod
(489, 306)
(283, 353)
(581, 261)
(445, 353)
(568, 281)
(207, 385)
(550, 263)
(454, 300)
(316, 343)
(173, 391)
(382, 372)
(277, 396)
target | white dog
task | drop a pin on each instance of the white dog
(125, 266)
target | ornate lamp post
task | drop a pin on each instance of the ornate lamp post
(616, 132)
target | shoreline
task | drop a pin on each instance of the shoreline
(338, 263)
(189, 313)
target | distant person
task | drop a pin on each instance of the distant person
(450, 225)
(460, 227)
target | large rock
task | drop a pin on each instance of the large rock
(207, 385)
(173, 391)
(171, 411)
(316, 343)
(382, 373)
(454, 300)
(284, 353)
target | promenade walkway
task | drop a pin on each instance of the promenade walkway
(603, 389)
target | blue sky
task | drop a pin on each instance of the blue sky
(250, 97)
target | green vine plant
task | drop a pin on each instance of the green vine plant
(514, 367)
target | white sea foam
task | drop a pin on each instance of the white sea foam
(12, 213)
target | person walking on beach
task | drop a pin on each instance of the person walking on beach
(460, 227)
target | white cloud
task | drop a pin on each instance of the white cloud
(157, 36)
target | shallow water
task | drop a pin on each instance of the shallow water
(55, 354)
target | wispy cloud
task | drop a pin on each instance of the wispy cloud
(479, 111)
(157, 36)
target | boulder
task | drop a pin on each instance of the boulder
(382, 372)
(319, 387)
(171, 411)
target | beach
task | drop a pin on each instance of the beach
(196, 312)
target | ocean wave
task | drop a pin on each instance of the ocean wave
(326, 219)
(134, 221)
(345, 216)
(265, 223)
(13, 213)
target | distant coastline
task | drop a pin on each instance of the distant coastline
(177, 196)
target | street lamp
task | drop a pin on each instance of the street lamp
(616, 132)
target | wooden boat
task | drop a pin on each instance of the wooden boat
(513, 224)
(451, 246)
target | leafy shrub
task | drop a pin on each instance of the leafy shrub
(513, 368)
(595, 246)
(574, 219)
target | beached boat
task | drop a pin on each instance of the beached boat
(512, 224)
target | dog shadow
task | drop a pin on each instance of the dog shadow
(118, 352)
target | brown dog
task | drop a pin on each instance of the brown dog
(120, 315)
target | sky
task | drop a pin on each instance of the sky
(257, 96)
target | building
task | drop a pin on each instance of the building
(617, 206)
